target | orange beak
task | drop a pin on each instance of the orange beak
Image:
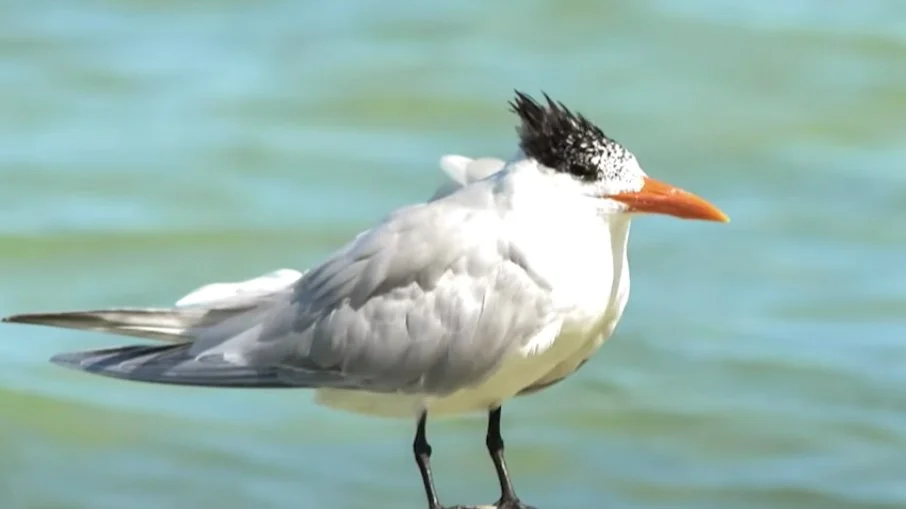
(660, 198)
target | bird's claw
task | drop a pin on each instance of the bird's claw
(512, 504)
(500, 504)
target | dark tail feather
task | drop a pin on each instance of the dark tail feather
(168, 364)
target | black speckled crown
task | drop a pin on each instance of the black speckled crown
(566, 141)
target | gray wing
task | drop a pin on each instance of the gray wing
(429, 301)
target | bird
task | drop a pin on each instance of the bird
(503, 283)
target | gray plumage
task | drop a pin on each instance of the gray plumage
(396, 310)
(338, 326)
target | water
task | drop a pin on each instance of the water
(148, 147)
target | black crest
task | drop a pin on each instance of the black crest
(563, 140)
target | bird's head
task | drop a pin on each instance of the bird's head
(568, 143)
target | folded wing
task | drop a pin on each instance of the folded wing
(428, 301)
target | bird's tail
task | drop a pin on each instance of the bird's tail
(172, 363)
(212, 313)
(168, 364)
(203, 307)
(165, 324)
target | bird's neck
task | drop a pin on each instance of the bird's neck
(619, 234)
(563, 240)
(619, 244)
(526, 185)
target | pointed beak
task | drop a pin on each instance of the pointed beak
(661, 198)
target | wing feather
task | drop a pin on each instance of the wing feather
(429, 301)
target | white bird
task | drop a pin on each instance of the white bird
(500, 285)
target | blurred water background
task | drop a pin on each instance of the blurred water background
(148, 147)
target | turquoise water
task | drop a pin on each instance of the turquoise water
(147, 148)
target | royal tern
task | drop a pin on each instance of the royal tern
(502, 284)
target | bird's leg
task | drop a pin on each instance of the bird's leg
(422, 450)
(494, 441)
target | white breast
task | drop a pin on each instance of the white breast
(589, 343)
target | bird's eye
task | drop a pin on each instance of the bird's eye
(582, 171)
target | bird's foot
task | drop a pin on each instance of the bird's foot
(500, 504)
(513, 503)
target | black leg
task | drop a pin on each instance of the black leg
(495, 447)
(494, 441)
(422, 450)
